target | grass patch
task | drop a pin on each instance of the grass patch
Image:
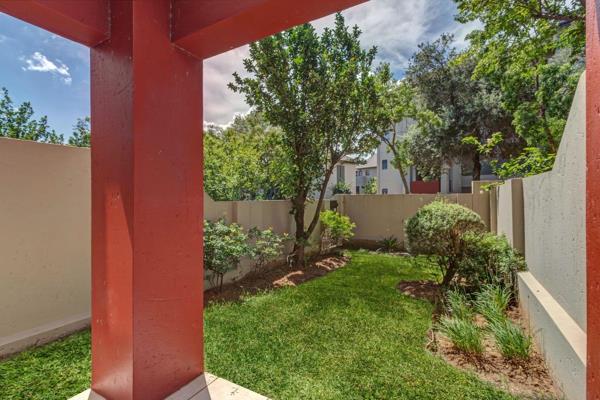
(348, 335)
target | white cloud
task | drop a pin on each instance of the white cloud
(396, 27)
(40, 63)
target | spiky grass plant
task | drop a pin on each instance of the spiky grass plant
(511, 340)
(464, 335)
(492, 302)
(458, 305)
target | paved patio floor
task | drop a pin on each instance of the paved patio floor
(205, 387)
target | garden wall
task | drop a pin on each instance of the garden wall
(44, 242)
(544, 217)
(379, 216)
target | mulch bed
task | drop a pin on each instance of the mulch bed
(529, 379)
(276, 277)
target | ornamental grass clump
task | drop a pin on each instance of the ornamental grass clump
(458, 305)
(512, 341)
(437, 230)
(464, 335)
(492, 302)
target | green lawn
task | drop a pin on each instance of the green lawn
(349, 335)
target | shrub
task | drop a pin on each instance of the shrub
(437, 229)
(371, 186)
(341, 188)
(389, 244)
(337, 228)
(458, 305)
(266, 246)
(464, 334)
(224, 246)
(512, 341)
(490, 259)
(492, 302)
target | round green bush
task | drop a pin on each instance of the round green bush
(437, 229)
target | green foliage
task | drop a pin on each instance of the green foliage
(437, 229)
(371, 186)
(17, 122)
(489, 259)
(395, 103)
(531, 161)
(492, 302)
(487, 146)
(464, 106)
(320, 90)
(337, 227)
(512, 341)
(458, 305)
(389, 244)
(464, 335)
(534, 52)
(81, 136)
(224, 246)
(245, 161)
(341, 188)
(266, 246)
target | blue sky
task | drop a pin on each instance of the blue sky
(53, 73)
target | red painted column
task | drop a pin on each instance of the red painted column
(147, 279)
(593, 198)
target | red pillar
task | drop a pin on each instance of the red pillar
(147, 276)
(593, 199)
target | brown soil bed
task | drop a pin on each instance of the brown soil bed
(275, 277)
(529, 379)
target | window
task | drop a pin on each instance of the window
(357, 189)
(384, 191)
(367, 173)
(384, 164)
(340, 174)
(359, 172)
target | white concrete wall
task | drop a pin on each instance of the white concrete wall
(45, 247)
(553, 292)
(349, 178)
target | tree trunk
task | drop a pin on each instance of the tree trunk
(476, 167)
(403, 177)
(450, 272)
(298, 204)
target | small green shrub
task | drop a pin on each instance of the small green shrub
(266, 246)
(464, 335)
(337, 228)
(458, 305)
(224, 246)
(492, 302)
(489, 259)
(341, 188)
(511, 340)
(437, 229)
(389, 244)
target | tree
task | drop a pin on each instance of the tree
(534, 51)
(81, 136)
(465, 107)
(17, 122)
(395, 103)
(371, 186)
(320, 90)
(244, 161)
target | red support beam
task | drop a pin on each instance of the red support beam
(83, 21)
(593, 198)
(147, 207)
(206, 28)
